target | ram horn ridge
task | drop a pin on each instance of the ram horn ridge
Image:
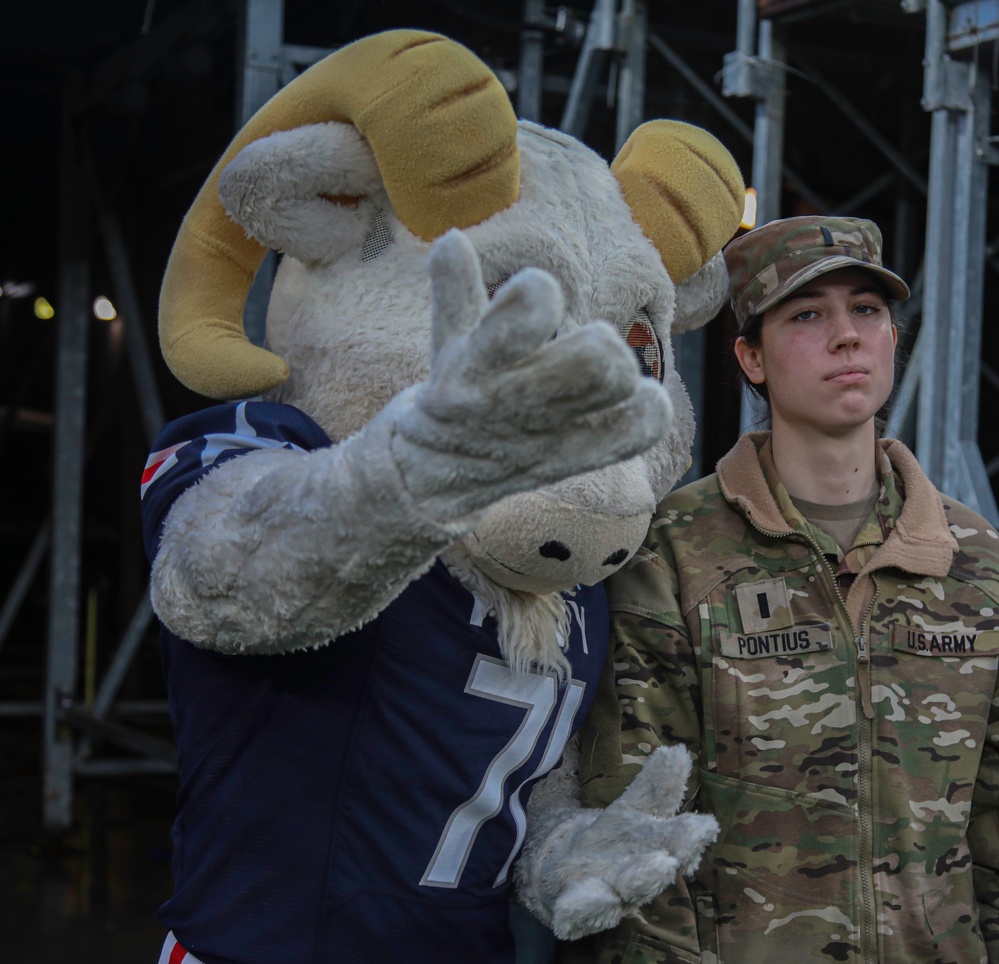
(684, 190)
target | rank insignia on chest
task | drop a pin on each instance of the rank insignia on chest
(764, 605)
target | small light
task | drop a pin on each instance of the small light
(749, 210)
(103, 309)
(43, 309)
(18, 289)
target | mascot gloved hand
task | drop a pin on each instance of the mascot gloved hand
(378, 563)
(584, 870)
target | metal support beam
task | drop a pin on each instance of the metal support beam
(633, 29)
(739, 70)
(67, 489)
(866, 127)
(621, 34)
(25, 577)
(852, 204)
(598, 41)
(959, 97)
(760, 74)
(532, 49)
(141, 620)
(262, 56)
(710, 96)
(127, 298)
(100, 728)
(260, 79)
(768, 128)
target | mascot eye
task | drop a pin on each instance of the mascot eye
(491, 289)
(645, 343)
(378, 238)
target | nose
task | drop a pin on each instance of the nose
(561, 552)
(845, 333)
(555, 550)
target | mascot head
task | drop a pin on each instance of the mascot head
(352, 171)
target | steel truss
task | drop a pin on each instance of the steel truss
(940, 386)
(614, 44)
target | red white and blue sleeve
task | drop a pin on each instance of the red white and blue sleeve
(189, 448)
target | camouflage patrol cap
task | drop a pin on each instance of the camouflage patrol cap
(768, 263)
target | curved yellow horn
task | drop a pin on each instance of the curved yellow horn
(684, 190)
(444, 135)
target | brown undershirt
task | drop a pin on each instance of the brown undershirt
(842, 522)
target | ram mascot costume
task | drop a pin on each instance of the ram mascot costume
(379, 574)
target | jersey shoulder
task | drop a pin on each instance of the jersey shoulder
(188, 448)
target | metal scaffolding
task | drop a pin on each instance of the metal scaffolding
(940, 384)
(612, 47)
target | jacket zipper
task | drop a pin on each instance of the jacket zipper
(864, 727)
(865, 803)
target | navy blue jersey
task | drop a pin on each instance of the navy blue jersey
(363, 801)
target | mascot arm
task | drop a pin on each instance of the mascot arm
(583, 870)
(281, 550)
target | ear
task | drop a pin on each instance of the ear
(300, 191)
(750, 359)
(700, 296)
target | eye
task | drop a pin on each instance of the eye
(645, 343)
(378, 238)
(491, 289)
(495, 286)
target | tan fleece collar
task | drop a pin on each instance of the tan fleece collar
(921, 541)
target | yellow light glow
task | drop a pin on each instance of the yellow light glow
(104, 310)
(749, 211)
(43, 309)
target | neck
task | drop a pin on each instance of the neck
(826, 470)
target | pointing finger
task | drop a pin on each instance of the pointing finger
(458, 294)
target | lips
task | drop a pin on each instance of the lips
(847, 373)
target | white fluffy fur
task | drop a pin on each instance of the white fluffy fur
(356, 335)
(274, 187)
(530, 625)
(274, 551)
(582, 871)
(461, 431)
(701, 295)
(572, 222)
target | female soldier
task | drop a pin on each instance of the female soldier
(821, 628)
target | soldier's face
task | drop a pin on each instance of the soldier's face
(826, 354)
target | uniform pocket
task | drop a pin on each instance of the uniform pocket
(647, 950)
(781, 682)
(784, 868)
(932, 692)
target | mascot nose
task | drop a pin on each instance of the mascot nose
(555, 550)
(560, 551)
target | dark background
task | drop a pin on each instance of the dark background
(148, 89)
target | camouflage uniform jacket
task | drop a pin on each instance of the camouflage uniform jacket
(843, 711)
